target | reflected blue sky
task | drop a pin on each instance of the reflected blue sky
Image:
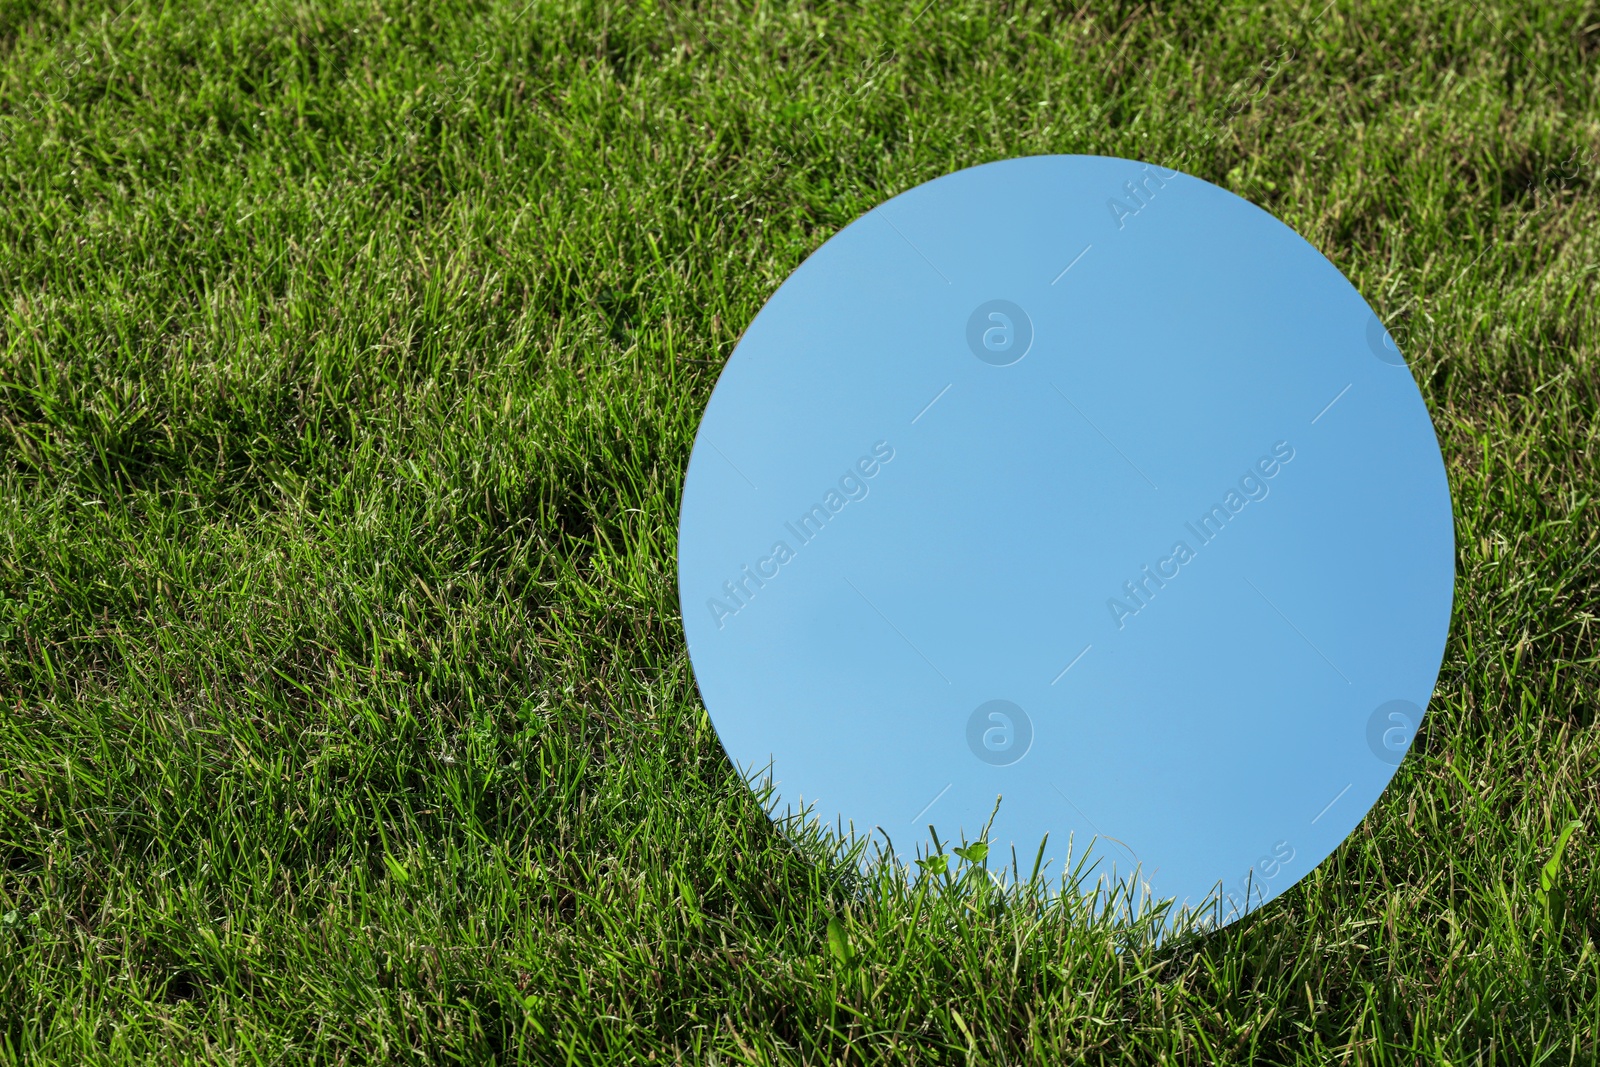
(1198, 533)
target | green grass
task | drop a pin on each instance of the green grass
(352, 358)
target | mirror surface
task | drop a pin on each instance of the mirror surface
(1082, 483)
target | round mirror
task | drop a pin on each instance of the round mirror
(1088, 486)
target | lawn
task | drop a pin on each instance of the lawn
(353, 353)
